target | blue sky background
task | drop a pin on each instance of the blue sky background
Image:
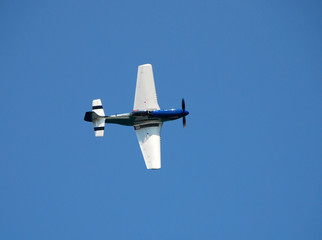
(248, 165)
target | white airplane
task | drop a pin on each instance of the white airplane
(146, 117)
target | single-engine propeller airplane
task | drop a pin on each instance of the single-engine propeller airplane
(146, 117)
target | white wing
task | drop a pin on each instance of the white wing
(149, 139)
(145, 95)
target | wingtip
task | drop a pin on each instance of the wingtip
(154, 167)
(145, 65)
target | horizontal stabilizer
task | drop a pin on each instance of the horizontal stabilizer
(97, 116)
(98, 107)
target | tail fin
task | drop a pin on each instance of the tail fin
(97, 116)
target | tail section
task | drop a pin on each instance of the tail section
(97, 116)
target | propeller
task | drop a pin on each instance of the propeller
(184, 117)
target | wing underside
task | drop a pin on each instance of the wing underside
(150, 143)
(145, 94)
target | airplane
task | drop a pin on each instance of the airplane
(146, 117)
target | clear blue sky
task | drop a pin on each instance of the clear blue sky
(248, 165)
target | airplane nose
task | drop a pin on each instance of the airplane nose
(185, 113)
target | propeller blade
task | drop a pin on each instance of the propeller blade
(183, 109)
(183, 105)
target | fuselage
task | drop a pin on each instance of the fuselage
(137, 118)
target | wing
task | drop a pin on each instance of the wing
(149, 139)
(145, 95)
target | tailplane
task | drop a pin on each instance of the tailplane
(97, 116)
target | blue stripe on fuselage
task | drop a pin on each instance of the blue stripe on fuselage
(169, 113)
